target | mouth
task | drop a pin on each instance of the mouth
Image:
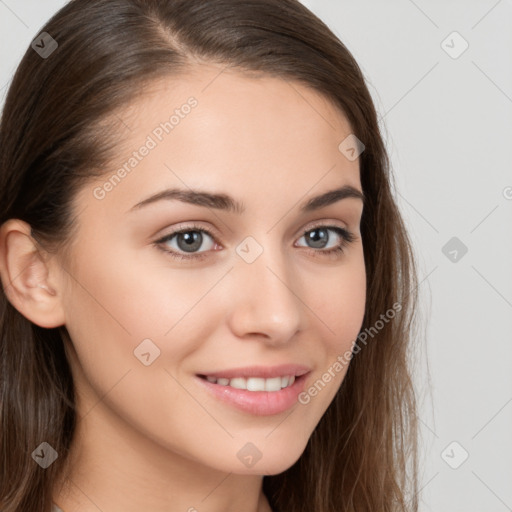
(272, 384)
(257, 391)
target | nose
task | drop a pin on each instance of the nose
(267, 299)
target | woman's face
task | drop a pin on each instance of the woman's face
(255, 292)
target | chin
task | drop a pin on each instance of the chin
(273, 464)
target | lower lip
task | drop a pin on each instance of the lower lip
(261, 403)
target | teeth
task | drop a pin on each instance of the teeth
(255, 383)
(272, 384)
(237, 383)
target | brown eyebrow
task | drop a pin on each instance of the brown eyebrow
(227, 203)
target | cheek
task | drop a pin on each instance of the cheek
(341, 311)
(342, 307)
(124, 309)
(108, 315)
(131, 297)
(113, 303)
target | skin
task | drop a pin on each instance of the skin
(149, 437)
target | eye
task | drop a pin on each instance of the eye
(188, 240)
(319, 237)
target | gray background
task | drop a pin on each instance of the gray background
(447, 121)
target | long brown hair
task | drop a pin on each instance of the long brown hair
(58, 129)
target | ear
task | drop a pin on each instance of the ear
(26, 278)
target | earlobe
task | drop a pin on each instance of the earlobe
(26, 276)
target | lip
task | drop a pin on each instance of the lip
(260, 403)
(265, 372)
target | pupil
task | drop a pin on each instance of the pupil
(192, 242)
(315, 239)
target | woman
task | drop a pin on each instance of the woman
(208, 290)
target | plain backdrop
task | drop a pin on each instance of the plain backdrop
(440, 73)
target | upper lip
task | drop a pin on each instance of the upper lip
(266, 372)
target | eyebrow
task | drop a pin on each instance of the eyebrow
(225, 202)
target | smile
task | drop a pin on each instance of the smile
(254, 383)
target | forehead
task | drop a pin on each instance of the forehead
(244, 133)
(238, 105)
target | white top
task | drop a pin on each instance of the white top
(56, 509)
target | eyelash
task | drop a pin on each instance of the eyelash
(335, 252)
